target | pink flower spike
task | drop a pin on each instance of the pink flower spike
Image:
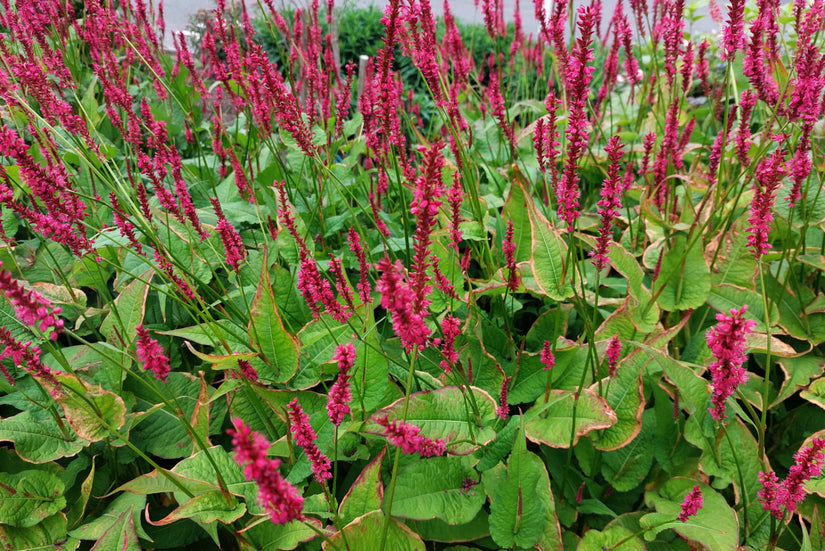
(769, 494)
(692, 503)
(503, 409)
(611, 202)
(30, 307)
(151, 354)
(614, 352)
(406, 437)
(727, 342)
(339, 393)
(768, 180)
(398, 299)
(509, 248)
(807, 464)
(305, 437)
(280, 499)
(547, 357)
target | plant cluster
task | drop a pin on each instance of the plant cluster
(249, 302)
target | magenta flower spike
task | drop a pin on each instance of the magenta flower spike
(727, 342)
(340, 395)
(305, 437)
(691, 505)
(151, 354)
(405, 436)
(280, 499)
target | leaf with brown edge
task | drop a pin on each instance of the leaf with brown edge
(278, 349)
(445, 414)
(366, 493)
(550, 422)
(366, 532)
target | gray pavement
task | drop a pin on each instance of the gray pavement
(177, 12)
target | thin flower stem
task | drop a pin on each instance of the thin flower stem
(387, 504)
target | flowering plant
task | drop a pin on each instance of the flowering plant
(257, 305)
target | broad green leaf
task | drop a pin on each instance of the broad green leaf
(547, 261)
(725, 297)
(694, 392)
(595, 540)
(206, 509)
(268, 536)
(78, 507)
(715, 526)
(814, 394)
(438, 530)
(369, 375)
(627, 467)
(445, 414)
(517, 511)
(318, 340)
(120, 535)
(162, 433)
(90, 410)
(101, 364)
(438, 487)
(551, 422)
(211, 334)
(127, 312)
(625, 396)
(38, 438)
(798, 373)
(28, 497)
(96, 528)
(366, 533)
(48, 534)
(279, 349)
(366, 494)
(157, 483)
(515, 211)
(684, 277)
(734, 264)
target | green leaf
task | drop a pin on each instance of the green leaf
(271, 537)
(37, 437)
(551, 422)
(162, 433)
(206, 509)
(48, 534)
(120, 535)
(366, 494)
(445, 414)
(626, 467)
(798, 373)
(548, 253)
(715, 526)
(90, 410)
(515, 211)
(684, 277)
(278, 348)
(725, 297)
(438, 530)
(366, 532)
(814, 394)
(439, 487)
(127, 312)
(111, 518)
(625, 396)
(595, 540)
(210, 334)
(369, 375)
(28, 497)
(517, 512)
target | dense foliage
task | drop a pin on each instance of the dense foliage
(518, 292)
